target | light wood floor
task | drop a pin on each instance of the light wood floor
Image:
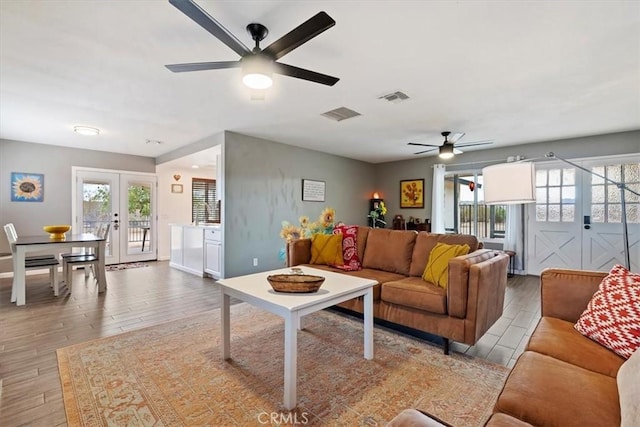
(30, 388)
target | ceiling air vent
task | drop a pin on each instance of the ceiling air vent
(396, 96)
(340, 114)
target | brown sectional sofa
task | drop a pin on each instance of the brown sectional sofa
(463, 312)
(562, 378)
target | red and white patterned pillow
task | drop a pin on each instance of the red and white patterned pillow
(349, 247)
(612, 317)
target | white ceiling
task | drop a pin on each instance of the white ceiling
(510, 71)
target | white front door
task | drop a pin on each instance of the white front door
(127, 202)
(576, 220)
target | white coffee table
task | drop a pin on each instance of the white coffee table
(255, 290)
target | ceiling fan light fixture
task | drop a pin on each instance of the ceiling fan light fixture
(256, 72)
(446, 151)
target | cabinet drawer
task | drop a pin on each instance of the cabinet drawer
(214, 235)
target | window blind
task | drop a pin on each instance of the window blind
(204, 206)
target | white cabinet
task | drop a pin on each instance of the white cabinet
(196, 249)
(213, 252)
(187, 249)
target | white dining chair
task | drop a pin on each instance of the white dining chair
(10, 228)
(33, 263)
(87, 259)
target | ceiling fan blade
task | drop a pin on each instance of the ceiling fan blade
(200, 66)
(425, 151)
(471, 144)
(301, 73)
(455, 136)
(206, 21)
(299, 35)
(423, 145)
(456, 151)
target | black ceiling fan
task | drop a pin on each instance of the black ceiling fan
(257, 61)
(450, 146)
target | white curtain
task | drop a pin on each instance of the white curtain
(437, 199)
(514, 234)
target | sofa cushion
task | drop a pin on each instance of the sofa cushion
(326, 249)
(389, 250)
(378, 275)
(612, 317)
(416, 293)
(544, 391)
(361, 240)
(629, 390)
(425, 242)
(437, 269)
(349, 246)
(558, 338)
(504, 420)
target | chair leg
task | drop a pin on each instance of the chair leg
(446, 345)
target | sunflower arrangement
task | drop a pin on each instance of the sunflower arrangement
(306, 228)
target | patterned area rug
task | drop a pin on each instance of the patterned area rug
(172, 375)
(116, 267)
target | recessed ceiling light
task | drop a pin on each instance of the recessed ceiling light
(194, 166)
(86, 130)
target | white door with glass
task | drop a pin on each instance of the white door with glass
(576, 220)
(127, 202)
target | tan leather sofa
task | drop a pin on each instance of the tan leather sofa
(463, 312)
(562, 378)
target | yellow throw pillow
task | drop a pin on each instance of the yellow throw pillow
(437, 269)
(326, 249)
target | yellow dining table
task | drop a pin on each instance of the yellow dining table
(26, 244)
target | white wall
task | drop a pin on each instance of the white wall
(174, 208)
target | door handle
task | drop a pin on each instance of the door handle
(587, 222)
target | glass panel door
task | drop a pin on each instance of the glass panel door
(138, 234)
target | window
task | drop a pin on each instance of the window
(204, 205)
(555, 195)
(465, 211)
(606, 201)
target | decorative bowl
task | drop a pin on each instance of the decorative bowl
(295, 283)
(56, 231)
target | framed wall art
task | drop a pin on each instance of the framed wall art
(176, 188)
(313, 191)
(27, 187)
(412, 193)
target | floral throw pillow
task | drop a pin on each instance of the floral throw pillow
(612, 317)
(349, 247)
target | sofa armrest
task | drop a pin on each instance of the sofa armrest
(459, 270)
(298, 252)
(565, 293)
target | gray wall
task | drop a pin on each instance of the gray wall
(55, 163)
(263, 181)
(388, 175)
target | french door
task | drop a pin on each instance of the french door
(576, 221)
(124, 200)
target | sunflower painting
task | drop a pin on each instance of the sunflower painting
(27, 187)
(412, 193)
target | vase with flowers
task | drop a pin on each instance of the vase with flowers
(377, 215)
(305, 228)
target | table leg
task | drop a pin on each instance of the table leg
(225, 315)
(368, 324)
(290, 359)
(101, 273)
(19, 281)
